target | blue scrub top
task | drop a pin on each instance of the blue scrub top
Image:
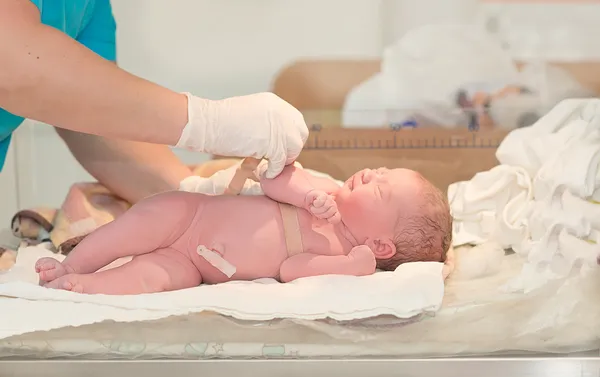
(90, 22)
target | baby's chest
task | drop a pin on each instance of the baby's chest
(322, 239)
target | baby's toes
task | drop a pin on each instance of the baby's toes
(44, 264)
(70, 282)
(49, 269)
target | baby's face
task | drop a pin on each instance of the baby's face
(371, 201)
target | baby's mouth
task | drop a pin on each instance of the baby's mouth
(357, 181)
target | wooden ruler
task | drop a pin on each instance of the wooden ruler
(442, 156)
(418, 138)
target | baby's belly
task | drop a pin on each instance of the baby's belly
(248, 233)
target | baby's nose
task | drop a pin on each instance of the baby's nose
(368, 176)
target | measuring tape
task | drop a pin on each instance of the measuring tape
(415, 138)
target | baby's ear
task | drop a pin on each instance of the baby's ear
(382, 248)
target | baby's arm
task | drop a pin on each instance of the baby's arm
(293, 185)
(299, 188)
(359, 262)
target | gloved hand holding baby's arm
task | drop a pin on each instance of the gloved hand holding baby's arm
(258, 125)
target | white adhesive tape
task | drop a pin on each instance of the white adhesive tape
(216, 261)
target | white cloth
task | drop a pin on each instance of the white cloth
(258, 125)
(412, 289)
(540, 200)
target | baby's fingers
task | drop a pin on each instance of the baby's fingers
(319, 201)
(336, 218)
(318, 211)
(325, 213)
(322, 205)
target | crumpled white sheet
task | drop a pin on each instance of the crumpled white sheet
(412, 289)
(540, 200)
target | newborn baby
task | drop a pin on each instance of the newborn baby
(303, 226)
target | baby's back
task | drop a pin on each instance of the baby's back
(246, 230)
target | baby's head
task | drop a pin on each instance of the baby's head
(400, 215)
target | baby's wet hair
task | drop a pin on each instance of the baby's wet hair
(425, 237)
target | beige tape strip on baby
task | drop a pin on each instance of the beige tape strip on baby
(291, 229)
(289, 214)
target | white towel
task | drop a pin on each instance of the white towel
(412, 289)
(492, 206)
(539, 200)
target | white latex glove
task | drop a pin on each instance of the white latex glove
(258, 125)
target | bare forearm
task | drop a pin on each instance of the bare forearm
(129, 169)
(46, 76)
(293, 185)
(308, 264)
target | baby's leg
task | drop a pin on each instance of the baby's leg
(162, 270)
(154, 223)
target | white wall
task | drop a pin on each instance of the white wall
(401, 16)
(220, 48)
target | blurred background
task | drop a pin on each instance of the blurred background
(217, 49)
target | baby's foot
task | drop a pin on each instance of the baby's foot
(49, 269)
(69, 282)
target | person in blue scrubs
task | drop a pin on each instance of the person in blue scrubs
(57, 66)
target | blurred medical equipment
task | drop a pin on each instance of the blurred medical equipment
(452, 75)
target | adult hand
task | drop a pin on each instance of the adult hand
(258, 125)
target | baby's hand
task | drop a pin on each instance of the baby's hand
(364, 257)
(322, 206)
